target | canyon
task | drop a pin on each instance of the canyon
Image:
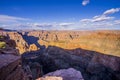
(47, 55)
(107, 41)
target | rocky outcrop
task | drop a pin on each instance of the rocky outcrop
(21, 45)
(63, 74)
(11, 69)
(33, 47)
(50, 78)
(92, 65)
(10, 62)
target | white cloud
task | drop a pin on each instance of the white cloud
(103, 21)
(45, 25)
(103, 24)
(42, 25)
(117, 22)
(6, 18)
(111, 11)
(97, 19)
(102, 17)
(65, 24)
(85, 2)
(85, 20)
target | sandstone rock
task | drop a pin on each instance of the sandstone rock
(33, 47)
(36, 70)
(8, 63)
(20, 43)
(100, 62)
(64, 74)
(28, 71)
(102, 41)
(50, 78)
(10, 51)
(10, 68)
(90, 63)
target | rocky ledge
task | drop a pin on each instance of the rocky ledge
(10, 62)
(63, 74)
(92, 65)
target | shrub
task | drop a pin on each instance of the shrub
(1, 37)
(2, 45)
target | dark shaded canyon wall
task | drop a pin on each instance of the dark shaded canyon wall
(92, 65)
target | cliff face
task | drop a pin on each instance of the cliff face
(10, 62)
(93, 65)
(106, 42)
(20, 42)
(10, 68)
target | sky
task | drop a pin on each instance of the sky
(60, 14)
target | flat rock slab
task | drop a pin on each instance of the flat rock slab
(8, 64)
(63, 74)
(6, 59)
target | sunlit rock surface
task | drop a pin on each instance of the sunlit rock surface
(106, 41)
(63, 74)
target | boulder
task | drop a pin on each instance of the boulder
(64, 74)
(50, 78)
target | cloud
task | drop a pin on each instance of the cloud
(42, 25)
(111, 11)
(102, 17)
(85, 2)
(6, 18)
(103, 24)
(103, 21)
(85, 20)
(97, 19)
(117, 22)
(65, 24)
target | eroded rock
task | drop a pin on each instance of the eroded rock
(63, 74)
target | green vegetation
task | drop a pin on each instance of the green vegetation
(2, 45)
(1, 37)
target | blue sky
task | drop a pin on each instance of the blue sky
(60, 14)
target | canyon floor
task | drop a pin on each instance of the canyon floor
(59, 55)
